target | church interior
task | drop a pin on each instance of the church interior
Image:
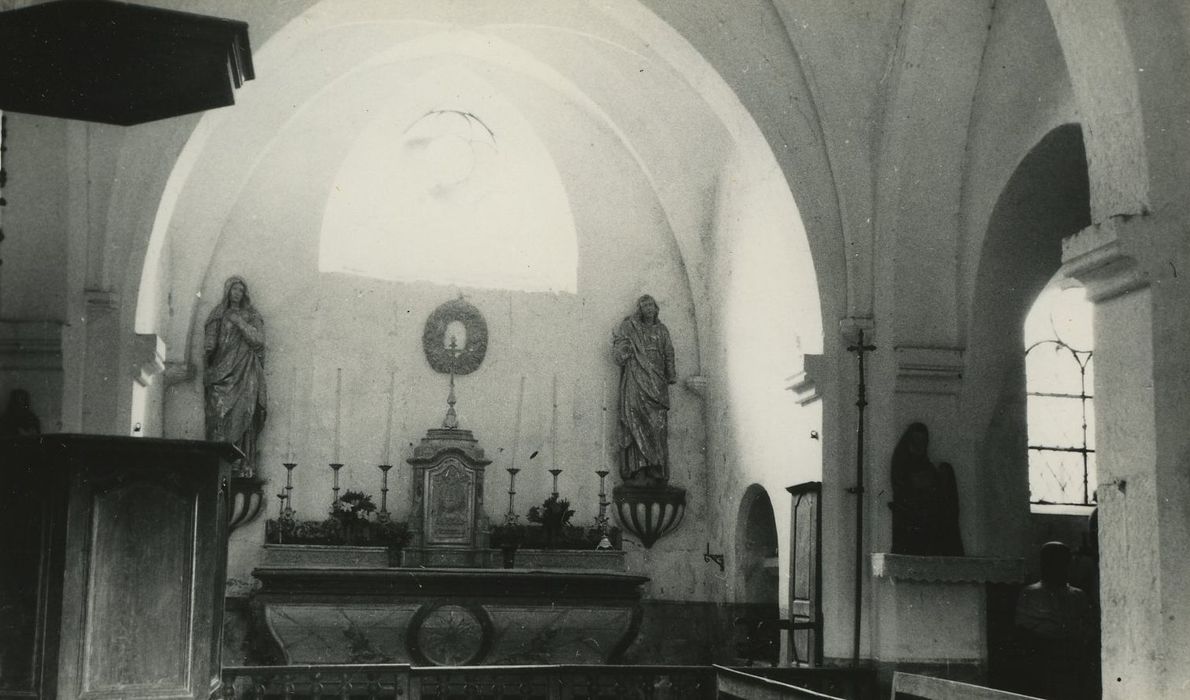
(576, 343)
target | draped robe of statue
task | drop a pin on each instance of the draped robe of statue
(925, 505)
(641, 346)
(233, 379)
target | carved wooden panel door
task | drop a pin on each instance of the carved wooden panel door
(805, 575)
(115, 551)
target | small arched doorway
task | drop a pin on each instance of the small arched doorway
(755, 624)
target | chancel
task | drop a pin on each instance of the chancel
(634, 348)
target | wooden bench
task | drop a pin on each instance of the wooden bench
(731, 683)
(911, 685)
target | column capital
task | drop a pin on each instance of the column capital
(850, 326)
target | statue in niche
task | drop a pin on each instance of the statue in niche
(235, 398)
(19, 418)
(925, 505)
(642, 348)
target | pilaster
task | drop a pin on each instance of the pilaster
(1142, 345)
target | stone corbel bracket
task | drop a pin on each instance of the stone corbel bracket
(929, 370)
(697, 384)
(649, 512)
(804, 384)
(1097, 256)
(148, 352)
(178, 372)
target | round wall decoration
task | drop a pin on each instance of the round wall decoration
(468, 356)
(449, 634)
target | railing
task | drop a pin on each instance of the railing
(377, 681)
(372, 681)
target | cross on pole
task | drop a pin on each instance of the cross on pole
(860, 349)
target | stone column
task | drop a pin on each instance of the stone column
(1142, 371)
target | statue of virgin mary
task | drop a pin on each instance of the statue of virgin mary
(233, 378)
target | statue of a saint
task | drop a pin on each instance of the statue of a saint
(925, 505)
(641, 347)
(236, 402)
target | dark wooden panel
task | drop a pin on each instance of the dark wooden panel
(24, 525)
(32, 503)
(138, 627)
(119, 546)
(805, 605)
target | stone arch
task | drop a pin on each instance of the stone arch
(1131, 93)
(757, 576)
(748, 221)
(1044, 200)
(737, 233)
(740, 132)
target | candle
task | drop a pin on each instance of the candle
(338, 409)
(292, 416)
(603, 423)
(554, 426)
(516, 435)
(388, 425)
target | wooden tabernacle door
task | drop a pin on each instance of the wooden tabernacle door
(447, 522)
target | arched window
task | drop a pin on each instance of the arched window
(1059, 375)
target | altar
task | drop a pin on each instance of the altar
(931, 611)
(447, 616)
(443, 602)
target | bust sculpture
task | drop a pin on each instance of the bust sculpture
(233, 376)
(925, 505)
(642, 348)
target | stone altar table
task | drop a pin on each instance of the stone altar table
(932, 611)
(447, 616)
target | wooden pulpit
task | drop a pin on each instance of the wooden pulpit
(113, 557)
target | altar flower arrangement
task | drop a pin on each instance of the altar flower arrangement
(553, 515)
(350, 521)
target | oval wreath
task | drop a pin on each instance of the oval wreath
(466, 359)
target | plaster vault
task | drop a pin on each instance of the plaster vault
(711, 119)
(253, 182)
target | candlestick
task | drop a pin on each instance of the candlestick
(510, 518)
(383, 514)
(555, 471)
(601, 521)
(338, 408)
(281, 518)
(335, 467)
(386, 453)
(451, 421)
(289, 488)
